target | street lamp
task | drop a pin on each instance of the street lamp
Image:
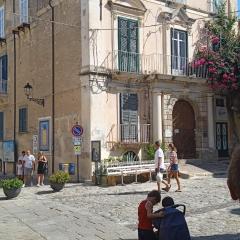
(28, 92)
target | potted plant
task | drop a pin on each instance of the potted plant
(58, 180)
(11, 187)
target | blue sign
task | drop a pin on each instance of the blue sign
(77, 130)
(8, 151)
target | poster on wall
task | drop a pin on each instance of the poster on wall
(8, 151)
(96, 151)
(44, 135)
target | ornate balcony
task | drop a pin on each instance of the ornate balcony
(129, 133)
(126, 62)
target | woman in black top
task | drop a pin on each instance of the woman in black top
(42, 166)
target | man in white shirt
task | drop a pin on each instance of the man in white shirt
(160, 166)
(29, 166)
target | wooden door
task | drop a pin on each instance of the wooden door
(184, 129)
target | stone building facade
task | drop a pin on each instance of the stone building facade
(121, 70)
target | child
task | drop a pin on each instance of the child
(20, 169)
(145, 216)
(167, 202)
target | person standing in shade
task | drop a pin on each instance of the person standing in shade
(173, 167)
(20, 161)
(29, 167)
(160, 167)
(42, 166)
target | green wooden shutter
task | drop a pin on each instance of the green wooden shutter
(128, 45)
(133, 60)
(22, 119)
(1, 126)
(129, 116)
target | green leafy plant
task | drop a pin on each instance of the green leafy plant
(150, 150)
(59, 177)
(13, 183)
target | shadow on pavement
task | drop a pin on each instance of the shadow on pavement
(218, 168)
(218, 237)
(44, 192)
(132, 193)
(129, 193)
(3, 198)
(236, 212)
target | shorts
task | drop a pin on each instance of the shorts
(174, 168)
(159, 177)
(146, 235)
(28, 171)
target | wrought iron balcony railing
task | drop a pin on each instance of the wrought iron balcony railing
(120, 61)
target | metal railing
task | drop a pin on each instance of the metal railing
(134, 133)
(120, 61)
(3, 86)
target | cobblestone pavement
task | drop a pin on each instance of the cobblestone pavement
(91, 212)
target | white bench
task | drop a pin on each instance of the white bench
(132, 169)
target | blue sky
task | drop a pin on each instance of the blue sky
(238, 7)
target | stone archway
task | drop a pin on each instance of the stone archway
(184, 129)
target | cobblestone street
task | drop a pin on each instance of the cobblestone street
(91, 212)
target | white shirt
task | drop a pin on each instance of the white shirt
(159, 154)
(28, 161)
(21, 157)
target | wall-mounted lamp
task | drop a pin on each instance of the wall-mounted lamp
(28, 92)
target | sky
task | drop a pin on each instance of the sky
(238, 7)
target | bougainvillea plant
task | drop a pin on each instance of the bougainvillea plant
(218, 50)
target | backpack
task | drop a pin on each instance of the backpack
(173, 225)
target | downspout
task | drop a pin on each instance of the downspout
(53, 84)
(14, 89)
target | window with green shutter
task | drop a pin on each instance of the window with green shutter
(129, 116)
(23, 120)
(1, 126)
(128, 56)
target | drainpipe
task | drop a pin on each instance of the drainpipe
(14, 89)
(53, 85)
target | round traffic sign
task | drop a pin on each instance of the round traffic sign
(77, 130)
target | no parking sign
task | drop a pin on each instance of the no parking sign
(77, 130)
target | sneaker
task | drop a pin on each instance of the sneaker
(38, 185)
(23, 185)
(42, 184)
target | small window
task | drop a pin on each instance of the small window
(220, 102)
(3, 74)
(1, 126)
(130, 156)
(2, 24)
(23, 11)
(23, 120)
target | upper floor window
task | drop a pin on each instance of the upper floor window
(23, 6)
(214, 4)
(3, 73)
(2, 22)
(179, 51)
(1, 126)
(128, 56)
(23, 119)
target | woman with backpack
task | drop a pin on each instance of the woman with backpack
(173, 170)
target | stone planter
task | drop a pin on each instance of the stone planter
(11, 193)
(57, 186)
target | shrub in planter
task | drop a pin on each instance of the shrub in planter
(11, 187)
(58, 180)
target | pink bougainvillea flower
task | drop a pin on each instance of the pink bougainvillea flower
(215, 40)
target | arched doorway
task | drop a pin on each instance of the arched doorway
(184, 129)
